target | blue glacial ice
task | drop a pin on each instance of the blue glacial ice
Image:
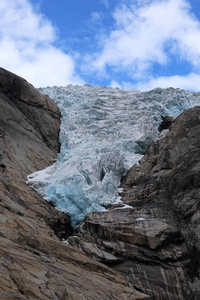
(100, 135)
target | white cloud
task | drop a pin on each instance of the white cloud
(105, 2)
(115, 84)
(122, 85)
(145, 33)
(27, 46)
(94, 17)
(188, 82)
(154, 32)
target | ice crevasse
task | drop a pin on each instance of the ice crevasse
(104, 131)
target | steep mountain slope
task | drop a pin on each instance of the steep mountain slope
(34, 263)
(155, 242)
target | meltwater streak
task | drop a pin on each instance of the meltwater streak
(104, 131)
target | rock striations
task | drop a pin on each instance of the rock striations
(34, 263)
(148, 249)
(154, 241)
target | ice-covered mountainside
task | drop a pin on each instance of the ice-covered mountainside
(103, 132)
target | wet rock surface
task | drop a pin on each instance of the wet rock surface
(154, 241)
(34, 263)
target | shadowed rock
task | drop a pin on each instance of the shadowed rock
(166, 123)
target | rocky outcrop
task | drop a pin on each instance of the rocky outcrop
(34, 263)
(154, 241)
(166, 123)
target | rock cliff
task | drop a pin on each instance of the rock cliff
(34, 263)
(154, 241)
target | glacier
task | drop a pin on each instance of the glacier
(104, 131)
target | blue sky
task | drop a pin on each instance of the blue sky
(139, 44)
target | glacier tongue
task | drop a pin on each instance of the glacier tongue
(102, 130)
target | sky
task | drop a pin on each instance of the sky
(140, 44)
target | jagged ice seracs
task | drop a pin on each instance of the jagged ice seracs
(104, 131)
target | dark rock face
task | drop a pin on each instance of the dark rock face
(155, 241)
(34, 263)
(29, 117)
(166, 123)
